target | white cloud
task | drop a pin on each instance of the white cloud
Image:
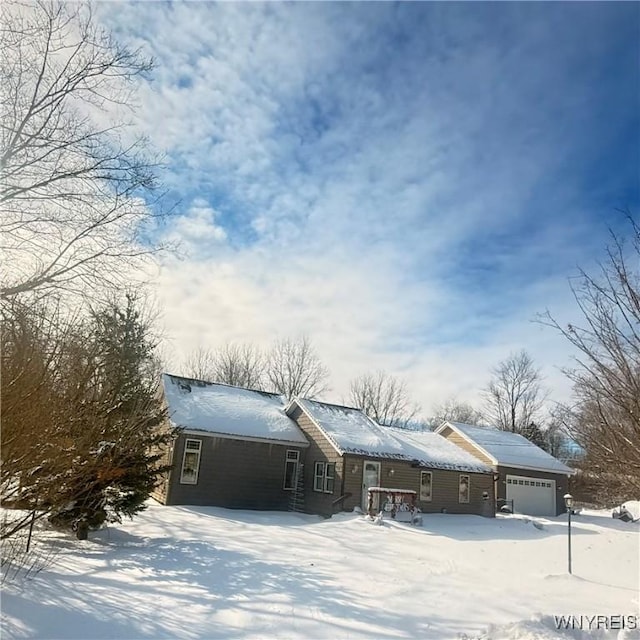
(196, 230)
(360, 315)
(385, 201)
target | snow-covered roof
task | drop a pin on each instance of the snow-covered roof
(433, 450)
(231, 411)
(508, 449)
(352, 432)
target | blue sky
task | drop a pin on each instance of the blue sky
(406, 183)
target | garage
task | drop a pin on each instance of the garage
(533, 496)
(524, 472)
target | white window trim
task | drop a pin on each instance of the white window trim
(430, 498)
(321, 477)
(184, 457)
(296, 462)
(468, 488)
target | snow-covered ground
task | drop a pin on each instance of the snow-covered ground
(187, 572)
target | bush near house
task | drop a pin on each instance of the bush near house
(80, 415)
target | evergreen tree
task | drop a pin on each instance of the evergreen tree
(118, 438)
(534, 433)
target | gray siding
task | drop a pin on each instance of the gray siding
(562, 483)
(561, 480)
(348, 481)
(444, 491)
(319, 450)
(236, 474)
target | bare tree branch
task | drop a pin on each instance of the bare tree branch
(294, 369)
(200, 364)
(605, 420)
(455, 411)
(75, 194)
(515, 395)
(384, 398)
(80, 411)
(240, 365)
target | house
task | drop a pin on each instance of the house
(236, 448)
(528, 479)
(246, 449)
(348, 453)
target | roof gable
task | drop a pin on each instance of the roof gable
(225, 410)
(348, 429)
(351, 431)
(506, 448)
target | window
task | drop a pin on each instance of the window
(323, 477)
(291, 469)
(191, 461)
(318, 476)
(425, 486)
(464, 487)
(329, 477)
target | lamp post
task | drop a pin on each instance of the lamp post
(568, 501)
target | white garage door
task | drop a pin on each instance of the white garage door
(533, 496)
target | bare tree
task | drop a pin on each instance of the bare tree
(240, 365)
(384, 398)
(455, 411)
(80, 415)
(515, 394)
(605, 420)
(294, 369)
(558, 440)
(200, 364)
(34, 341)
(72, 177)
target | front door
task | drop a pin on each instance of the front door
(370, 478)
